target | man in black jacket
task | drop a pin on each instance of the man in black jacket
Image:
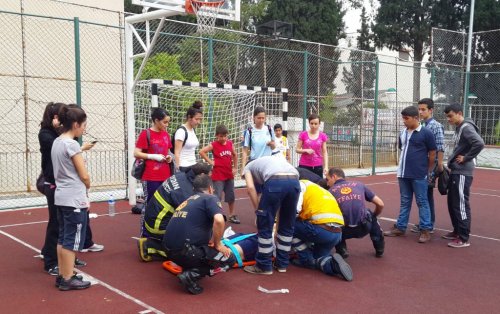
(467, 144)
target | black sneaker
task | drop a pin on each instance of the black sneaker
(59, 278)
(74, 283)
(54, 271)
(80, 263)
(341, 267)
(188, 281)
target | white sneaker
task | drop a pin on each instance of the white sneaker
(94, 248)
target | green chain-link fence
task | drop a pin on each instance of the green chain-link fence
(358, 95)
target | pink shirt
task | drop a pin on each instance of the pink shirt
(315, 159)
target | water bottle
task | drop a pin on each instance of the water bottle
(111, 205)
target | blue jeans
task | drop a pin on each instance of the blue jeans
(282, 195)
(408, 187)
(323, 241)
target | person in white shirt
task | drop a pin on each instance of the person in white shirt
(281, 143)
(186, 141)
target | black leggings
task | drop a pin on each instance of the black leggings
(316, 169)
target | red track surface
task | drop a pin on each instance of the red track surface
(411, 277)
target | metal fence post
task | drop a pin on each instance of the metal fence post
(78, 77)
(210, 60)
(433, 77)
(375, 118)
(304, 117)
(466, 94)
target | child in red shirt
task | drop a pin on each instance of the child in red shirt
(225, 162)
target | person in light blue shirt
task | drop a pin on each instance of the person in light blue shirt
(258, 139)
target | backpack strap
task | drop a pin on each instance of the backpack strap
(249, 130)
(186, 138)
(148, 136)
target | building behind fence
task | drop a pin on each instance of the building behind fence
(47, 54)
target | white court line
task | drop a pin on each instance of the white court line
(439, 229)
(102, 283)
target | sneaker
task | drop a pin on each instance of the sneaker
(279, 269)
(341, 267)
(80, 263)
(425, 236)
(458, 243)
(94, 248)
(450, 236)
(394, 232)
(74, 283)
(59, 278)
(234, 219)
(256, 270)
(416, 229)
(54, 271)
(143, 250)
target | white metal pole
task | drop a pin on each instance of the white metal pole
(129, 74)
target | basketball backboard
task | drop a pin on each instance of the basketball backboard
(230, 10)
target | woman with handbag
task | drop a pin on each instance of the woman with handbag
(153, 145)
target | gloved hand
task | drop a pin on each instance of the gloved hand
(157, 157)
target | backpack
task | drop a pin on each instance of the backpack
(249, 130)
(172, 140)
(443, 179)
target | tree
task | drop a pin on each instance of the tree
(407, 24)
(318, 21)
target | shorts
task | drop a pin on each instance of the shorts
(72, 227)
(228, 187)
(249, 246)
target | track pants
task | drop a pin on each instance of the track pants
(458, 204)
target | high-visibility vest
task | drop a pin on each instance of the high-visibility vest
(319, 206)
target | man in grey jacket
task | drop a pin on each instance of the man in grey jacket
(467, 144)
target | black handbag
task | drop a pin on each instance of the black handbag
(443, 179)
(40, 183)
(140, 164)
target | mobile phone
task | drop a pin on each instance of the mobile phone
(93, 142)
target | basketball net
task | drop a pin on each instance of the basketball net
(206, 13)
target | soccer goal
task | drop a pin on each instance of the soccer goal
(230, 105)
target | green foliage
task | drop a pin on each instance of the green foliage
(252, 13)
(160, 66)
(402, 24)
(318, 21)
(228, 58)
(130, 8)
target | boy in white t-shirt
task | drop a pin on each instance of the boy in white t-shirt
(281, 142)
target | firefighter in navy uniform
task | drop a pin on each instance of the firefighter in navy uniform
(161, 207)
(359, 221)
(188, 234)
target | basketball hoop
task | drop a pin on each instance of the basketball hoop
(206, 13)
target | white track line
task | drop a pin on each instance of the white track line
(148, 308)
(446, 230)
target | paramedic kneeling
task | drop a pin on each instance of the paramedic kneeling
(189, 231)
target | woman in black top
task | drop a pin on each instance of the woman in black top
(48, 133)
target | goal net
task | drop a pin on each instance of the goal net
(230, 105)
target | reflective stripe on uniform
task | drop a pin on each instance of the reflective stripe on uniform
(265, 249)
(284, 238)
(282, 247)
(265, 241)
(326, 216)
(166, 209)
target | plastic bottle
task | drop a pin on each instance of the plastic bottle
(111, 205)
